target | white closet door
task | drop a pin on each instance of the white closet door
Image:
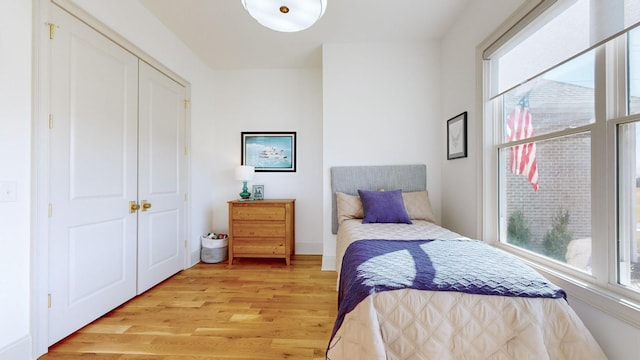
(93, 166)
(161, 183)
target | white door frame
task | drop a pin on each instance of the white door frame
(40, 158)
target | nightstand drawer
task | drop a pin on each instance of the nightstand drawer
(259, 248)
(249, 212)
(259, 229)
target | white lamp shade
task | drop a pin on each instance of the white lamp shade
(286, 15)
(244, 172)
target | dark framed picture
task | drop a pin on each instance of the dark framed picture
(457, 137)
(269, 151)
(257, 192)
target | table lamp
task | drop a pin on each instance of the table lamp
(245, 173)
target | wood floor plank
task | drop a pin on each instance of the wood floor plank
(254, 309)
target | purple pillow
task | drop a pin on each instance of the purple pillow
(383, 207)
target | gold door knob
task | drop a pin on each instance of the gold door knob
(133, 207)
(145, 205)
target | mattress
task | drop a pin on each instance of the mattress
(424, 324)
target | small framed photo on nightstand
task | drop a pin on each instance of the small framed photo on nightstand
(257, 192)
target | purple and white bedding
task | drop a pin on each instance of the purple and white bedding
(352, 230)
(450, 298)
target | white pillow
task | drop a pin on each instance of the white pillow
(348, 207)
(418, 205)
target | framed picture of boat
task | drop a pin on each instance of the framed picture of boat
(269, 151)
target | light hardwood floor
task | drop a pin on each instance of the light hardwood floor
(255, 309)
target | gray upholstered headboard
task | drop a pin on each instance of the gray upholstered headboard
(348, 179)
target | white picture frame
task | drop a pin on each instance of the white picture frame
(257, 192)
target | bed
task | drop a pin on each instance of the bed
(410, 289)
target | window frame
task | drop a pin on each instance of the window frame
(599, 289)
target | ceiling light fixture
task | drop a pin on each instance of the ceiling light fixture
(285, 15)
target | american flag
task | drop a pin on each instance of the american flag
(523, 157)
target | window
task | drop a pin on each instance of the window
(628, 201)
(634, 71)
(558, 39)
(545, 185)
(628, 137)
(563, 145)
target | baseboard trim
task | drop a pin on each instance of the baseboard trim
(19, 350)
(328, 263)
(304, 248)
(194, 258)
(308, 248)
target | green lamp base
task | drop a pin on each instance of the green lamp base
(245, 194)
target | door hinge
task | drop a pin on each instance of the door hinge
(51, 29)
(185, 244)
(49, 301)
(50, 211)
(185, 196)
(50, 121)
(186, 151)
(186, 103)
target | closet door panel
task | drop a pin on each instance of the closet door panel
(98, 129)
(93, 176)
(161, 231)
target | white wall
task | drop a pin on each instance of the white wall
(15, 160)
(267, 100)
(461, 197)
(382, 106)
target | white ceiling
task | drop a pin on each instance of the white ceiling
(223, 34)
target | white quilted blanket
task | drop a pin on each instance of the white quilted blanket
(416, 324)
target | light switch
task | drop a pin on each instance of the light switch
(8, 191)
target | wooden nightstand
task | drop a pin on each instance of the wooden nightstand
(262, 228)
